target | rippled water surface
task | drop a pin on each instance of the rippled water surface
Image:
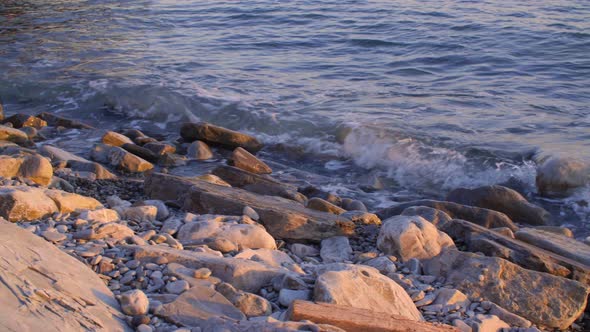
(439, 93)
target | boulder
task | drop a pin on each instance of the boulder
(44, 289)
(243, 159)
(365, 288)
(115, 139)
(58, 155)
(483, 217)
(243, 235)
(24, 120)
(542, 298)
(409, 237)
(257, 183)
(88, 166)
(22, 203)
(199, 150)
(134, 302)
(559, 244)
(319, 204)
(215, 135)
(282, 218)
(246, 275)
(213, 179)
(504, 200)
(140, 214)
(119, 158)
(10, 166)
(560, 176)
(335, 249)
(198, 304)
(13, 135)
(69, 202)
(38, 169)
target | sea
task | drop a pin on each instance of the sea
(385, 101)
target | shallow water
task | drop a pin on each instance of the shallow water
(440, 94)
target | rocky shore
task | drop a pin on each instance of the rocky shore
(111, 240)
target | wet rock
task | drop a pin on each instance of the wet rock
(282, 218)
(58, 121)
(198, 304)
(61, 293)
(319, 204)
(199, 150)
(69, 202)
(504, 200)
(58, 155)
(354, 205)
(335, 249)
(365, 288)
(560, 176)
(23, 203)
(560, 230)
(245, 160)
(119, 158)
(160, 148)
(13, 135)
(311, 192)
(215, 135)
(25, 120)
(512, 287)
(134, 303)
(115, 139)
(251, 213)
(409, 237)
(480, 216)
(360, 217)
(141, 152)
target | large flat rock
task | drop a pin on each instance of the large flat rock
(281, 217)
(44, 289)
(542, 298)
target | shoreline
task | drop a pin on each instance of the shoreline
(119, 211)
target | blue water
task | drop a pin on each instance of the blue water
(439, 93)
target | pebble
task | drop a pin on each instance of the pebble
(177, 287)
(53, 236)
(62, 228)
(144, 328)
(134, 302)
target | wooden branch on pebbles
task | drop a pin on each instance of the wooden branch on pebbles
(354, 319)
(283, 218)
(491, 243)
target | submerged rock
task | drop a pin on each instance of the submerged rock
(216, 135)
(559, 176)
(504, 200)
